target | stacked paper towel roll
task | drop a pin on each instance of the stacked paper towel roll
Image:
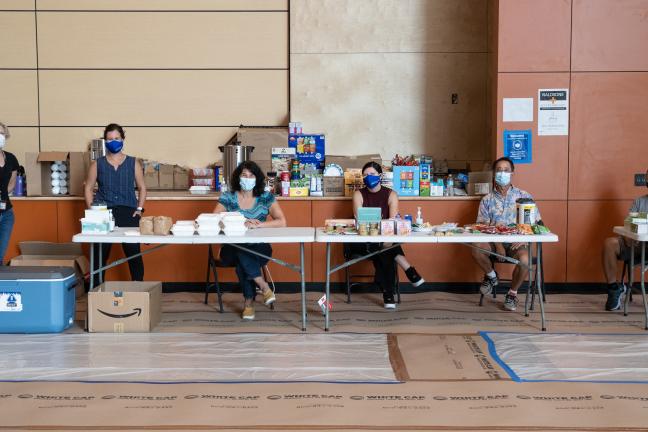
(233, 223)
(59, 178)
(208, 224)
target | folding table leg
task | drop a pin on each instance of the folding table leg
(538, 281)
(643, 280)
(328, 285)
(302, 272)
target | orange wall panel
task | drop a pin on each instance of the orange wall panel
(590, 223)
(35, 220)
(546, 177)
(534, 35)
(609, 126)
(610, 35)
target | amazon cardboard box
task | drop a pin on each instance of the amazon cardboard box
(39, 173)
(353, 162)
(124, 307)
(46, 254)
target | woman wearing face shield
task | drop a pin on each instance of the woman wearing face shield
(8, 170)
(247, 196)
(116, 175)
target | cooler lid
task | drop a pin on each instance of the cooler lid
(40, 273)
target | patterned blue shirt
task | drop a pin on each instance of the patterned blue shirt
(498, 209)
(259, 210)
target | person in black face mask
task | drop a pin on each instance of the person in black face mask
(117, 175)
(376, 195)
(618, 249)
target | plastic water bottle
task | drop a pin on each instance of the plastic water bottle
(450, 185)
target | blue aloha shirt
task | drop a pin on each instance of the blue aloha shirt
(498, 209)
(259, 210)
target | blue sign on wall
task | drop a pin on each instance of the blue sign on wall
(517, 146)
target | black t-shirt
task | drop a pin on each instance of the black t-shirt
(11, 165)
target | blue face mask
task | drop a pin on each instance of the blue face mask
(502, 178)
(114, 146)
(371, 181)
(247, 184)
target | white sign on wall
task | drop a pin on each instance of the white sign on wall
(553, 112)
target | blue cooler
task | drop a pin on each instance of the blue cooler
(37, 299)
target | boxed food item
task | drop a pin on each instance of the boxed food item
(369, 215)
(339, 226)
(151, 174)
(406, 180)
(40, 172)
(281, 158)
(403, 227)
(333, 185)
(424, 179)
(352, 181)
(37, 299)
(388, 227)
(309, 148)
(298, 191)
(46, 254)
(124, 307)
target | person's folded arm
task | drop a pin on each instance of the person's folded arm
(277, 215)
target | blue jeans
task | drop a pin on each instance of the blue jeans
(7, 220)
(248, 266)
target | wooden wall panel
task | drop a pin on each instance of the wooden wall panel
(393, 103)
(590, 223)
(610, 35)
(19, 105)
(230, 40)
(17, 5)
(23, 140)
(609, 125)
(163, 144)
(535, 35)
(163, 98)
(162, 5)
(546, 177)
(375, 26)
(17, 40)
(35, 220)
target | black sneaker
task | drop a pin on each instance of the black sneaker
(488, 284)
(510, 302)
(388, 300)
(615, 298)
(413, 276)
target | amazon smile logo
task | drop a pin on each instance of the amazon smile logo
(136, 311)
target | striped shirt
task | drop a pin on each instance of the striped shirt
(116, 186)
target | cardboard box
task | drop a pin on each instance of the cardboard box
(478, 188)
(151, 174)
(124, 307)
(333, 185)
(38, 172)
(350, 162)
(298, 191)
(46, 254)
(166, 176)
(180, 178)
(406, 180)
(352, 181)
(480, 177)
(263, 139)
(310, 148)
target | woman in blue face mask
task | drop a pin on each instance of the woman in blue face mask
(116, 176)
(247, 195)
(376, 195)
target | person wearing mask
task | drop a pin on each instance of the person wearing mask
(247, 195)
(618, 249)
(499, 208)
(8, 169)
(116, 176)
(376, 195)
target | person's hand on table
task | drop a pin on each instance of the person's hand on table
(137, 213)
(253, 223)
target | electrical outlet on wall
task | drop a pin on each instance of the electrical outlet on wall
(455, 98)
(640, 179)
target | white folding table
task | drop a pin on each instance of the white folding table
(641, 239)
(260, 235)
(467, 239)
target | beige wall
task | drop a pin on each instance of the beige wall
(180, 75)
(378, 75)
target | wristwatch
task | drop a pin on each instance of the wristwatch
(140, 209)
